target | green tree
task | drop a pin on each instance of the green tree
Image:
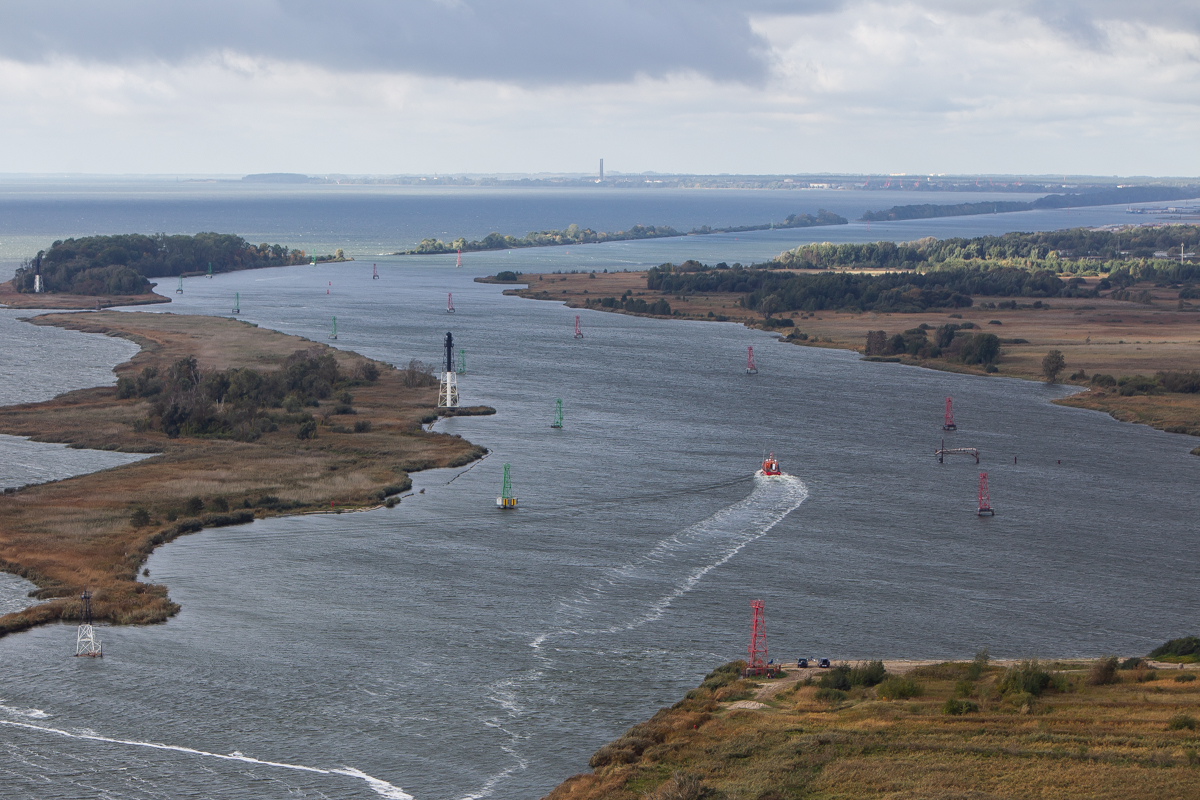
(1052, 365)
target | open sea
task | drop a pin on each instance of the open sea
(444, 650)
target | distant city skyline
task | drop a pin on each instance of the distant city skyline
(760, 87)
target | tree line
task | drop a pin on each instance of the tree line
(124, 263)
(573, 234)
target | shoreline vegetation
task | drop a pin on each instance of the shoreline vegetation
(982, 728)
(1125, 318)
(122, 265)
(1101, 197)
(574, 235)
(240, 423)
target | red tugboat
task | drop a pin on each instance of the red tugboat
(770, 467)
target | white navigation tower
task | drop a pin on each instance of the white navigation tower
(448, 390)
(86, 643)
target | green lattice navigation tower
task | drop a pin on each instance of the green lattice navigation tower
(333, 333)
(506, 499)
(462, 362)
(557, 414)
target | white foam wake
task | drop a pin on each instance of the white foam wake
(677, 563)
(380, 787)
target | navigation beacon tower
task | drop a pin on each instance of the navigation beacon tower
(86, 643)
(448, 391)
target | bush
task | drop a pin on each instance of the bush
(1103, 672)
(1185, 677)
(308, 430)
(1025, 678)
(867, 673)
(1103, 380)
(830, 695)
(172, 515)
(1132, 663)
(220, 504)
(140, 518)
(1186, 646)
(723, 675)
(978, 665)
(899, 689)
(956, 708)
(1181, 721)
(194, 507)
(836, 678)
(362, 426)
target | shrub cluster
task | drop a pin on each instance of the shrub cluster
(1168, 381)
(186, 400)
(952, 341)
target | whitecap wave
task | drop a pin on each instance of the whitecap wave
(380, 787)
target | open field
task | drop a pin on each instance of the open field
(950, 732)
(14, 299)
(1096, 335)
(80, 533)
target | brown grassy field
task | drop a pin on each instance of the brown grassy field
(74, 534)
(1096, 335)
(776, 740)
(14, 299)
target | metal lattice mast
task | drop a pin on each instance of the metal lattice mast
(458, 263)
(948, 420)
(237, 302)
(86, 643)
(462, 362)
(180, 289)
(333, 333)
(374, 272)
(985, 500)
(558, 418)
(757, 651)
(449, 302)
(750, 368)
(209, 275)
(578, 331)
(506, 499)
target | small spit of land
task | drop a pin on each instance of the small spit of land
(1095, 197)
(243, 422)
(573, 234)
(981, 729)
(1129, 329)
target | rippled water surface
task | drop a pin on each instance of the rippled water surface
(445, 649)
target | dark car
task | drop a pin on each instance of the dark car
(802, 663)
(823, 663)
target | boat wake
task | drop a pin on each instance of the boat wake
(676, 564)
(380, 787)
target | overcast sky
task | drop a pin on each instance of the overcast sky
(757, 86)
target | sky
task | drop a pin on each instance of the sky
(1093, 87)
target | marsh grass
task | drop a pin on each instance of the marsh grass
(1106, 740)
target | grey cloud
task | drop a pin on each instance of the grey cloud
(528, 41)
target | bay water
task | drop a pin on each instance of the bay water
(446, 649)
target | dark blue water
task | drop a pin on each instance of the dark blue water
(445, 649)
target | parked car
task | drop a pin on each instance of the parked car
(802, 663)
(823, 663)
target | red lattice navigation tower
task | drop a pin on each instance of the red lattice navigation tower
(750, 368)
(948, 422)
(756, 661)
(578, 331)
(458, 263)
(985, 502)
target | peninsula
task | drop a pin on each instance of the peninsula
(1096, 197)
(573, 234)
(117, 268)
(239, 422)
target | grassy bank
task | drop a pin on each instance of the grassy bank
(11, 298)
(953, 730)
(95, 531)
(1095, 334)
